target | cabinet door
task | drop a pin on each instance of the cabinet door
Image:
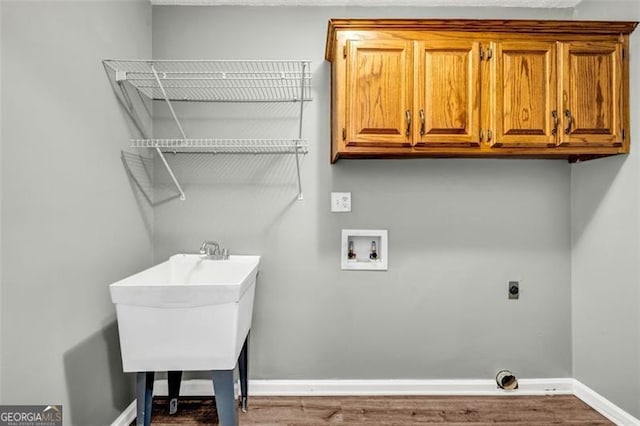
(378, 107)
(591, 94)
(524, 94)
(447, 111)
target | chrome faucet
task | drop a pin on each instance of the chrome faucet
(211, 249)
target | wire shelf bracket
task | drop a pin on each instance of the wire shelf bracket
(216, 81)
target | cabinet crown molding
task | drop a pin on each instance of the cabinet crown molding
(478, 25)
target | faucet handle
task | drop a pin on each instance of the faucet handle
(205, 248)
(213, 250)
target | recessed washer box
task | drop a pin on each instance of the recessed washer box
(364, 249)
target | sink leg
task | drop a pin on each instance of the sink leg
(224, 393)
(140, 392)
(243, 366)
(144, 397)
(174, 378)
(148, 397)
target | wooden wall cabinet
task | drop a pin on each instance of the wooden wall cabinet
(471, 88)
(523, 92)
(378, 93)
(447, 92)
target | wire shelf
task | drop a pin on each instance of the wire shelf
(217, 80)
(214, 81)
(225, 146)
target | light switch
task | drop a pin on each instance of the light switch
(341, 202)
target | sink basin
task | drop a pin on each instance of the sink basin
(188, 313)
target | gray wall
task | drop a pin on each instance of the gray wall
(605, 252)
(459, 230)
(1, 347)
(71, 216)
(73, 221)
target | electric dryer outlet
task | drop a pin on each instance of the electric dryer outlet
(514, 290)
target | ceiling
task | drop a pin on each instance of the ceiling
(427, 3)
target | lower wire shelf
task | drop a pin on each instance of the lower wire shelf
(295, 147)
(225, 146)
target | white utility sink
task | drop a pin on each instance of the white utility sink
(188, 313)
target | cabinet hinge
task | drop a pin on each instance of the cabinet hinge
(623, 134)
(344, 134)
(344, 51)
(489, 54)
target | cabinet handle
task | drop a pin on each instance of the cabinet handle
(408, 114)
(567, 114)
(481, 135)
(554, 114)
(489, 135)
(421, 122)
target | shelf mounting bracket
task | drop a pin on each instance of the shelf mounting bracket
(302, 76)
(184, 136)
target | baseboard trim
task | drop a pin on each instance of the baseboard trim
(127, 416)
(603, 405)
(529, 387)
(406, 387)
(379, 387)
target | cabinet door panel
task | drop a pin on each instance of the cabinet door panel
(591, 90)
(379, 74)
(447, 111)
(524, 94)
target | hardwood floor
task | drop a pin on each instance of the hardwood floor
(388, 411)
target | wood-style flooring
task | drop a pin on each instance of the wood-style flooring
(388, 411)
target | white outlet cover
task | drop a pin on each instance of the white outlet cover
(341, 202)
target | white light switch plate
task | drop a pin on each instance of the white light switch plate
(340, 201)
